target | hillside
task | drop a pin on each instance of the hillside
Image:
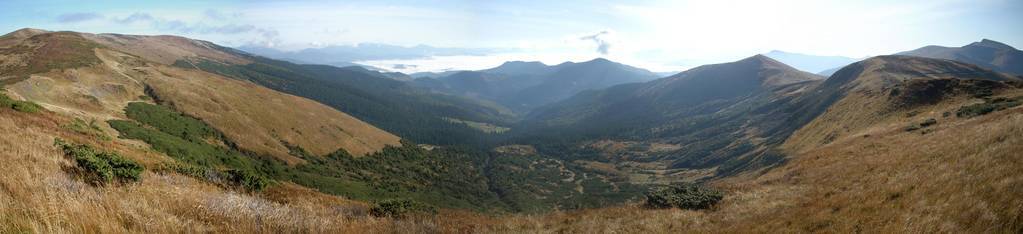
(36, 179)
(985, 53)
(879, 88)
(718, 119)
(100, 90)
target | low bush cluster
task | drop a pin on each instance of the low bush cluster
(101, 167)
(683, 196)
(989, 105)
(224, 177)
(401, 208)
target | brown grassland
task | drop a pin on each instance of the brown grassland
(853, 169)
(960, 177)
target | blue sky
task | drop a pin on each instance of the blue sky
(660, 35)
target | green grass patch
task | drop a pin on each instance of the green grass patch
(483, 127)
(87, 128)
(22, 106)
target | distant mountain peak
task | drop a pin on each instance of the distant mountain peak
(764, 61)
(992, 44)
(760, 57)
(519, 68)
(520, 63)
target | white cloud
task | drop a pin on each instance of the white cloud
(602, 39)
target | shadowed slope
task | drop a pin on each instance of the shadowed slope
(985, 53)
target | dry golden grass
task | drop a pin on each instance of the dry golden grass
(38, 196)
(259, 119)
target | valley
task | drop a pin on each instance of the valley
(112, 133)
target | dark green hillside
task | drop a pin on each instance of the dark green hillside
(392, 105)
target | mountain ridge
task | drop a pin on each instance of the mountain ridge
(985, 53)
(522, 86)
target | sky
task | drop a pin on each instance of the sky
(657, 35)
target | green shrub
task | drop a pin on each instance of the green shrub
(401, 208)
(248, 180)
(124, 169)
(683, 196)
(102, 167)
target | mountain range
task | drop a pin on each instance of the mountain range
(523, 86)
(147, 133)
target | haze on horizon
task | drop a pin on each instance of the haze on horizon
(657, 35)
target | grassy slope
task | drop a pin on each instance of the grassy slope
(39, 196)
(960, 177)
(260, 119)
(111, 74)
